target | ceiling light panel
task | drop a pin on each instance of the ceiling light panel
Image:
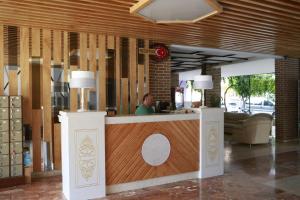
(176, 11)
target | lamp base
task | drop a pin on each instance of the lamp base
(82, 110)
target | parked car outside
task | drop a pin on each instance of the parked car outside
(261, 105)
(234, 105)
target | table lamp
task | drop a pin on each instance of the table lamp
(203, 82)
(82, 80)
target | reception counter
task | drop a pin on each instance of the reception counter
(102, 155)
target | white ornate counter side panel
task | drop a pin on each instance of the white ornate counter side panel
(211, 142)
(83, 154)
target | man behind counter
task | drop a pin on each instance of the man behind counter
(146, 107)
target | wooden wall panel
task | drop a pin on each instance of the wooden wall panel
(110, 42)
(92, 53)
(83, 51)
(146, 63)
(36, 139)
(73, 94)
(57, 48)
(57, 146)
(118, 73)
(46, 73)
(1, 60)
(124, 95)
(141, 79)
(66, 56)
(132, 73)
(13, 82)
(102, 72)
(25, 75)
(125, 164)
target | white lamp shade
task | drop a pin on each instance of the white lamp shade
(203, 82)
(82, 79)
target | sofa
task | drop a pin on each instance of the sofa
(248, 129)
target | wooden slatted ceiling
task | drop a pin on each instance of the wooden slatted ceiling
(265, 26)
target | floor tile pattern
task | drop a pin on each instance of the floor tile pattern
(259, 172)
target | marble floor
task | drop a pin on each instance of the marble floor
(260, 172)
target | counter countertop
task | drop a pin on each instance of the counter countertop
(150, 118)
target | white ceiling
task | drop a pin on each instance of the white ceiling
(185, 58)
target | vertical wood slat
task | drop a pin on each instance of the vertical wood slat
(25, 75)
(66, 56)
(146, 63)
(83, 51)
(36, 42)
(57, 146)
(35, 90)
(36, 139)
(141, 75)
(1, 60)
(118, 73)
(83, 60)
(57, 47)
(73, 94)
(124, 85)
(110, 42)
(46, 73)
(92, 53)
(13, 82)
(132, 73)
(102, 72)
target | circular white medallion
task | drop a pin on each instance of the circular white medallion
(156, 149)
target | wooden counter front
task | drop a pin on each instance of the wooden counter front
(124, 161)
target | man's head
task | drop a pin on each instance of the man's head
(147, 100)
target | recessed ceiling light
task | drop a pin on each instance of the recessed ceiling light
(176, 11)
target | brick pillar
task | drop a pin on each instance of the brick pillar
(216, 77)
(160, 80)
(286, 110)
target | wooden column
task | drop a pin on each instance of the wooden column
(57, 147)
(73, 94)
(92, 53)
(36, 117)
(36, 88)
(83, 51)
(66, 56)
(83, 60)
(57, 47)
(141, 75)
(132, 73)
(102, 73)
(13, 82)
(46, 73)
(35, 42)
(118, 73)
(110, 42)
(25, 75)
(36, 139)
(146, 63)
(124, 85)
(1, 60)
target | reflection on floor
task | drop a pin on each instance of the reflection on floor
(259, 172)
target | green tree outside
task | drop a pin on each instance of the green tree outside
(253, 85)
